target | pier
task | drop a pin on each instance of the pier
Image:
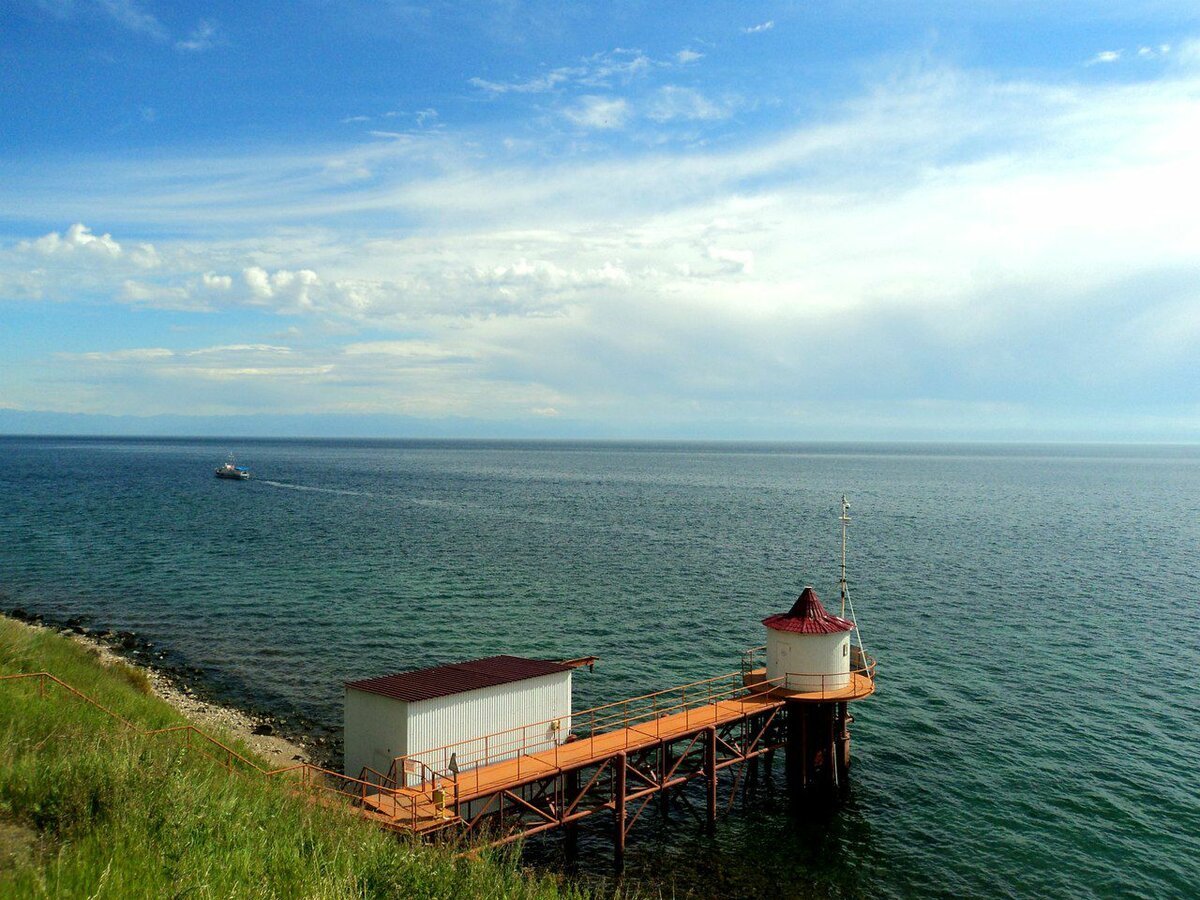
(530, 774)
(619, 757)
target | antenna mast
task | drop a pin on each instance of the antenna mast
(845, 520)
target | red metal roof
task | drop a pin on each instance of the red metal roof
(442, 681)
(808, 616)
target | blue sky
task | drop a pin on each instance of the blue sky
(934, 220)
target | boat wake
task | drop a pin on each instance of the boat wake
(316, 490)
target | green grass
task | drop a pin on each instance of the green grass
(89, 808)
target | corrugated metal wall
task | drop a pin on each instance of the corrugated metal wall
(532, 705)
(375, 731)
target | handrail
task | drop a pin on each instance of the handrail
(399, 778)
(575, 715)
(382, 778)
(548, 759)
(748, 658)
(312, 776)
(630, 715)
(844, 680)
(79, 694)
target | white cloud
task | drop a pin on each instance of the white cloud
(188, 370)
(740, 261)
(145, 256)
(759, 28)
(606, 69)
(239, 348)
(352, 120)
(130, 15)
(145, 354)
(232, 373)
(159, 296)
(78, 237)
(539, 84)
(288, 291)
(688, 56)
(202, 38)
(599, 112)
(674, 102)
(1107, 57)
(407, 349)
(215, 282)
(425, 116)
(620, 65)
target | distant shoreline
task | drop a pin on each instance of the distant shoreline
(226, 433)
(264, 734)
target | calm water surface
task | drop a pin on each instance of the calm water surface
(1034, 611)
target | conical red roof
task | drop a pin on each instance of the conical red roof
(808, 616)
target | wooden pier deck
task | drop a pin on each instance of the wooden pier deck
(517, 771)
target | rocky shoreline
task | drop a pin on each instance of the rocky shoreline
(277, 739)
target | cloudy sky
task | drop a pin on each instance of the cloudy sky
(818, 220)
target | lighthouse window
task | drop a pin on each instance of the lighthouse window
(845, 649)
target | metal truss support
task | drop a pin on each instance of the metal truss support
(619, 798)
(627, 782)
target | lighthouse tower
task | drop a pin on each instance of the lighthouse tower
(808, 650)
(812, 663)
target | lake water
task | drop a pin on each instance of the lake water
(1033, 609)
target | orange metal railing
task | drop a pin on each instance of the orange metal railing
(750, 659)
(832, 686)
(858, 681)
(536, 749)
(539, 748)
(403, 808)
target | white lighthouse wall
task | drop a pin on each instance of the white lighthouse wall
(800, 660)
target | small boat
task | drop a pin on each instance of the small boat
(232, 470)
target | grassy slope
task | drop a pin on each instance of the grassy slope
(90, 809)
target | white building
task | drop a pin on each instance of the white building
(808, 648)
(488, 709)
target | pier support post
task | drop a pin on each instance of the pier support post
(797, 757)
(570, 829)
(664, 766)
(710, 773)
(844, 741)
(817, 746)
(619, 809)
(832, 776)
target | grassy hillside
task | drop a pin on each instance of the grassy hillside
(89, 808)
